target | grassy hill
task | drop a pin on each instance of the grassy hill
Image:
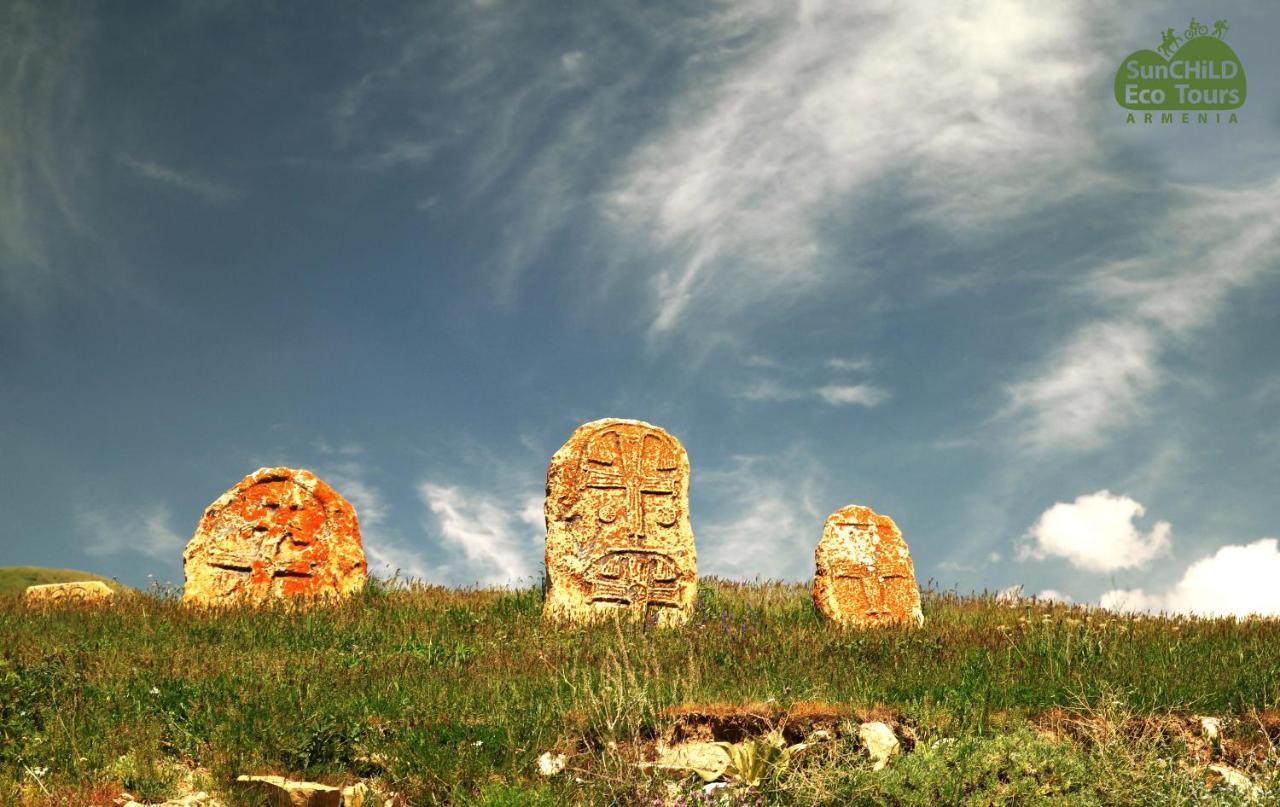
(450, 696)
(15, 579)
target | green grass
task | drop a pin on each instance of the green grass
(449, 696)
(15, 579)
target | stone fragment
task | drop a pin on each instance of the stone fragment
(278, 534)
(200, 799)
(550, 764)
(707, 759)
(288, 793)
(362, 795)
(1236, 780)
(85, 591)
(864, 574)
(880, 741)
(618, 534)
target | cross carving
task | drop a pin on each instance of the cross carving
(632, 474)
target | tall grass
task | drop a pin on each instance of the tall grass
(448, 696)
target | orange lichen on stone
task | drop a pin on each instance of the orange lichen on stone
(864, 575)
(86, 591)
(618, 535)
(279, 533)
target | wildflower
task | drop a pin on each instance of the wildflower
(155, 690)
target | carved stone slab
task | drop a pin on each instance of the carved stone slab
(865, 577)
(279, 533)
(618, 534)
(84, 591)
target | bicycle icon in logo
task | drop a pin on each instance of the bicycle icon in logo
(1169, 40)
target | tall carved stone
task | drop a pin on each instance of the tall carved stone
(618, 534)
(865, 577)
(278, 534)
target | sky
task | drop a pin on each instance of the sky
(901, 254)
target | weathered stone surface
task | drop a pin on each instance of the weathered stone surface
(86, 591)
(865, 577)
(880, 741)
(618, 534)
(278, 534)
(288, 793)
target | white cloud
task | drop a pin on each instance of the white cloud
(1011, 594)
(803, 107)
(1092, 384)
(1052, 595)
(1212, 243)
(145, 531)
(1234, 581)
(350, 478)
(493, 541)
(186, 181)
(772, 391)
(848, 365)
(763, 518)
(852, 395)
(1096, 532)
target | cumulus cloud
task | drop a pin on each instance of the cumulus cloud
(1053, 595)
(491, 540)
(1237, 580)
(1097, 533)
(146, 531)
(1100, 378)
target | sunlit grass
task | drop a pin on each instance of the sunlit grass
(448, 696)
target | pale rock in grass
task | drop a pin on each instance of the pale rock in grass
(880, 741)
(864, 575)
(707, 759)
(287, 793)
(1237, 781)
(278, 534)
(200, 799)
(619, 542)
(83, 592)
(550, 764)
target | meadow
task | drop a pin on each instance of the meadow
(449, 696)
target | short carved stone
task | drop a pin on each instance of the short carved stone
(618, 534)
(85, 591)
(865, 577)
(278, 534)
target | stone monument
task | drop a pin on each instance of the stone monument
(865, 577)
(74, 593)
(618, 534)
(278, 534)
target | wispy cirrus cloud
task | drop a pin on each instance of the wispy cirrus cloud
(146, 531)
(806, 105)
(1212, 243)
(186, 181)
(44, 153)
(486, 539)
(763, 516)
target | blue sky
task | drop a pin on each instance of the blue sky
(906, 255)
